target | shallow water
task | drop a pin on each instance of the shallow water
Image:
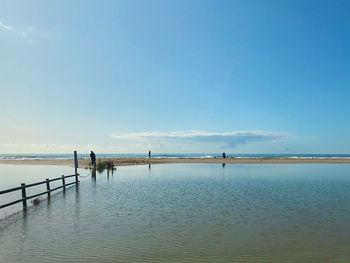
(188, 213)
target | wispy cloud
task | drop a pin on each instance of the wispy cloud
(20, 33)
(6, 27)
(225, 139)
(171, 142)
(26, 32)
(14, 147)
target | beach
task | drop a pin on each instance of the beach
(143, 161)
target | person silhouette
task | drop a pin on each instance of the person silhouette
(149, 154)
(224, 155)
(93, 159)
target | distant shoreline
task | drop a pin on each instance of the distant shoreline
(144, 161)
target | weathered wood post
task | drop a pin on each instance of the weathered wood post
(76, 162)
(48, 187)
(63, 183)
(24, 196)
(76, 166)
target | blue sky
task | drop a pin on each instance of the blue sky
(175, 76)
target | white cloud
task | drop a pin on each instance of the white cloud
(223, 139)
(6, 27)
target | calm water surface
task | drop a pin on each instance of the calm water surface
(185, 213)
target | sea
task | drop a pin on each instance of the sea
(69, 156)
(262, 213)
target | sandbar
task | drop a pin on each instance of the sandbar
(83, 163)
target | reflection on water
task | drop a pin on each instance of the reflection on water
(190, 213)
(13, 175)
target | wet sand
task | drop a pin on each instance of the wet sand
(140, 161)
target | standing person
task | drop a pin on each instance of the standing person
(149, 154)
(93, 159)
(224, 155)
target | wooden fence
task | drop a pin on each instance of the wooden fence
(48, 191)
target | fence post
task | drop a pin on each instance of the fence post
(24, 196)
(48, 187)
(63, 183)
(76, 162)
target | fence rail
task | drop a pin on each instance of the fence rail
(48, 191)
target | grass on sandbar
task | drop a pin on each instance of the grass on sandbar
(105, 165)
